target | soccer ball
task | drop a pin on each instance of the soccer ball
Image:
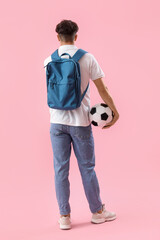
(100, 114)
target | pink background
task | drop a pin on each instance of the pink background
(124, 37)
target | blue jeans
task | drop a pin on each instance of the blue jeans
(82, 141)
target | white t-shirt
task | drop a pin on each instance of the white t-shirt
(89, 69)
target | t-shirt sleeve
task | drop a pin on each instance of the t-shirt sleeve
(95, 71)
(46, 61)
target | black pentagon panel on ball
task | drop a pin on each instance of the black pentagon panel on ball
(94, 123)
(104, 116)
(104, 105)
(93, 110)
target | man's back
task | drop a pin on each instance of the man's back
(90, 69)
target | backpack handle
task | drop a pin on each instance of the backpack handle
(65, 54)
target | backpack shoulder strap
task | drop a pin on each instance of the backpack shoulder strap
(78, 54)
(82, 96)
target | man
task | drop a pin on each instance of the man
(74, 126)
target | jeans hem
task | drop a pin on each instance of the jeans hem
(97, 209)
(63, 213)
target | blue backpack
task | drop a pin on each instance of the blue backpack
(63, 80)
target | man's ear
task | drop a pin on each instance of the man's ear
(75, 38)
(58, 37)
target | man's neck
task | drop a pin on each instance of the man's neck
(63, 43)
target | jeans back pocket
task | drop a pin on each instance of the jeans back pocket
(56, 129)
(83, 132)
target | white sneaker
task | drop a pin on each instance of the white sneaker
(64, 222)
(104, 216)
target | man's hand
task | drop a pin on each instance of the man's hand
(115, 118)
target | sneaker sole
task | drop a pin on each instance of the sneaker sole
(65, 227)
(103, 220)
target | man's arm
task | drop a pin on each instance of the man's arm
(104, 93)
